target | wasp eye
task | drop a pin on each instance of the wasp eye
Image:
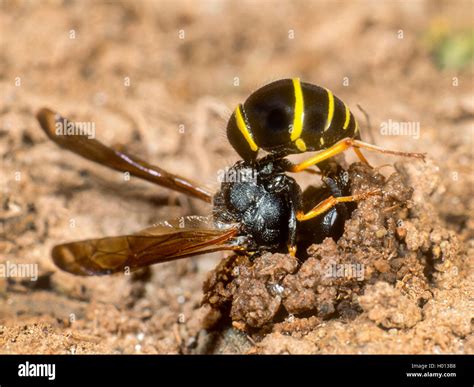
(277, 120)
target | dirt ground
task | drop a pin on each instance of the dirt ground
(160, 78)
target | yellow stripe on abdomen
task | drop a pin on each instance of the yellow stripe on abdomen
(298, 117)
(330, 109)
(244, 129)
(300, 144)
(348, 117)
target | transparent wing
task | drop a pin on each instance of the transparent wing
(161, 243)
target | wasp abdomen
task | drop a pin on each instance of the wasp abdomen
(289, 116)
(326, 119)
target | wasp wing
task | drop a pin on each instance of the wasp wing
(94, 150)
(156, 244)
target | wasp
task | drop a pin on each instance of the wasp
(288, 117)
(262, 209)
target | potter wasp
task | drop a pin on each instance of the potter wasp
(262, 213)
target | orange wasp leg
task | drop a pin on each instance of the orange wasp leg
(342, 146)
(331, 202)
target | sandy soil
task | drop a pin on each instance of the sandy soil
(160, 78)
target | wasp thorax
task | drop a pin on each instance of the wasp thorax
(262, 207)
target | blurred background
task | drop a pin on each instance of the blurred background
(161, 79)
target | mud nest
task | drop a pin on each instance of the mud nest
(393, 254)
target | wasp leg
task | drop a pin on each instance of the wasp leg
(342, 146)
(361, 156)
(331, 202)
(292, 250)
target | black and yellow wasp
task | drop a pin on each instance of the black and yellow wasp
(249, 215)
(288, 117)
